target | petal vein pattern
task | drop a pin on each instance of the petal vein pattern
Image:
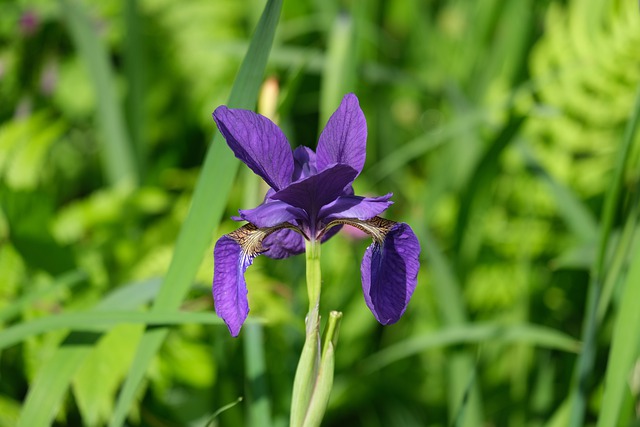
(232, 255)
(259, 143)
(390, 272)
(344, 138)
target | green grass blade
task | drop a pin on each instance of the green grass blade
(586, 358)
(446, 287)
(620, 258)
(118, 159)
(51, 384)
(134, 67)
(131, 296)
(423, 144)
(452, 309)
(577, 217)
(473, 334)
(338, 74)
(625, 346)
(100, 321)
(259, 403)
(480, 180)
(210, 195)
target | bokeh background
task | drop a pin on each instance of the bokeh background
(501, 127)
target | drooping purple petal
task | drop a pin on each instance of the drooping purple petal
(258, 142)
(317, 190)
(304, 160)
(272, 213)
(283, 244)
(389, 273)
(229, 286)
(355, 207)
(344, 138)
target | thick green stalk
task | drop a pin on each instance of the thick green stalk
(314, 376)
(307, 370)
(314, 279)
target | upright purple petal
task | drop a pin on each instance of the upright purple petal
(344, 138)
(283, 244)
(355, 207)
(258, 142)
(390, 273)
(304, 163)
(229, 286)
(272, 213)
(317, 190)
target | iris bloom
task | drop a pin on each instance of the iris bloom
(311, 197)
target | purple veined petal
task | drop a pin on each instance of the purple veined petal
(232, 255)
(283, 244)
(304, 159)
(390, 273)
(317, 190)
(344, 138)
(258, 142)
(358, 207)
(229, 286)
(272, 213)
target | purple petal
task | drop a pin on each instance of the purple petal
(283, 244)
(390, 273)
(304, 163)
(344, 138)
(229, 286)
(272, 213)
(258, 142)
(314, 192)
(355, 207)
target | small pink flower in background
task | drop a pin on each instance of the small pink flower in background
(28, 23)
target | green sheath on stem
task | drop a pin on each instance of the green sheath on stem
(308, 365)
(324, 380)
(314, 375)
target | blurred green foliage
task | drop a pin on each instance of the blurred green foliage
(496, 124)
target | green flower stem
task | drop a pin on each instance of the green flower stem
(314, 282)
(314, 375)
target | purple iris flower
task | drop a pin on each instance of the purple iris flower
(311, 197)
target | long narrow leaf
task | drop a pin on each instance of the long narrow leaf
(481, 178)
(338, 73)
(575, 214)
(51, 384)
(256, 373)
(453, 313)
(100, 321)
(624, 348)
(117, 154)
(134, 67)
(586, 358)
(210, 195)
(472, 334)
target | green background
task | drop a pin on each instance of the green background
(505, 129)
